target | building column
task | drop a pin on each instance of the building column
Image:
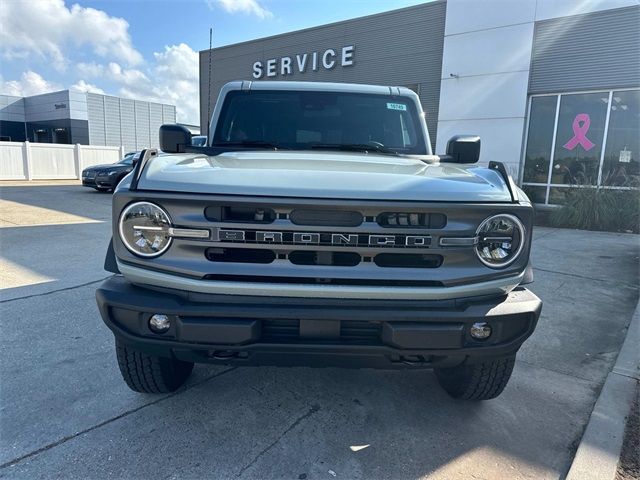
(485, 73)
(77, 159)
(26, 160)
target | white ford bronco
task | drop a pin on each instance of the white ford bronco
(315, 227)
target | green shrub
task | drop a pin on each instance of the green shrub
(599, 209)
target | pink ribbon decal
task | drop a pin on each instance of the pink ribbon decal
(580, 128)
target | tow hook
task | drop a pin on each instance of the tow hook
(223, 354)
(414, 360)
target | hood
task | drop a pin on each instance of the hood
(322, 174)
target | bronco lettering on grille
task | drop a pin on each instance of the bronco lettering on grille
(324, 238)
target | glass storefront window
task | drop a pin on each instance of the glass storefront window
(579, 138)
(621, 165)
(578, 156)
(536, 194)
(540, 136)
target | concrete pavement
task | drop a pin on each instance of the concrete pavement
(65, 412)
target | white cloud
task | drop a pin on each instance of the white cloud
(90, 70)
(172, 78)
(30, 83)
(47, 27)
(131, 76)
(54, 33)
(251, 7)
(178, 61)
(85, 87)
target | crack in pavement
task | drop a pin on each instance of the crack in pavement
(9, 221)
(312, 411)
(65, 289)
(543, 234)
(578, 377)
(49, 446)
(583, 277)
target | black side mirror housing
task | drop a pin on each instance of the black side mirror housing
(174, 138)
(463, 149)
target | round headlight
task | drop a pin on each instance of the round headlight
(144, 229)
(500, 240)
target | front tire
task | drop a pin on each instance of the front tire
(477, 381)
(150, 374)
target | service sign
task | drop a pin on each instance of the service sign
(304, 62)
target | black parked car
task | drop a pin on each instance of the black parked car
(106, 177)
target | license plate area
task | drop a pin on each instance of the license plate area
(325, 329)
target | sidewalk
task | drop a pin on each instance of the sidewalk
(601, 446)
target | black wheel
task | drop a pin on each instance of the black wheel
(101, 189)
(477, 381)
(148, 374)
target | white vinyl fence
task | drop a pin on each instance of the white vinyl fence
(50, 161)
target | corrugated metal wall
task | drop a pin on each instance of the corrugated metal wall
(112, 121)
(95, 116)
(142, 122)
(590, 51)
(401, 47)
(128, 124)
(168, 114)
(155, 120)
(133, 124)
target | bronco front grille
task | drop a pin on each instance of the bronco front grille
(294, 237)
(319, 241)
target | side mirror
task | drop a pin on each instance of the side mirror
(463, 149)
(173, 138)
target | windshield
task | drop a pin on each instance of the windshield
(320, 120)
(129, 158)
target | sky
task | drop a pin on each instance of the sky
(144, 49)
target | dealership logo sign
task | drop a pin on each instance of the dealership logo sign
(303, 62)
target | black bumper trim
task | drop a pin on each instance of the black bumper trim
(229, 329)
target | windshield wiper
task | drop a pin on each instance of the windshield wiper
(354, 147)
(249, 144)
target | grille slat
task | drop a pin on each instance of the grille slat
(351, 332)
(327, 218)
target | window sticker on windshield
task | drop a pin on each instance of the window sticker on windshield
(397, 106)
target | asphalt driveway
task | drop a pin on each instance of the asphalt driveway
(65, 411)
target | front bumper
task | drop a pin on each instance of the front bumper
(89, 182)
(100, 181)
(256, 330)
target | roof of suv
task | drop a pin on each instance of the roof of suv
(317, 86)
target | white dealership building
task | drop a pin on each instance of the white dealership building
(551, 86)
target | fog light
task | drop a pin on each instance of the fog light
(480, 330)
(159, 323)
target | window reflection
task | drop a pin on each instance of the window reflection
(535, 194)
(579, 138)
(540, 136)
(621, 165)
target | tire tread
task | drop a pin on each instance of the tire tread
(148, 374)
(477, 381)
